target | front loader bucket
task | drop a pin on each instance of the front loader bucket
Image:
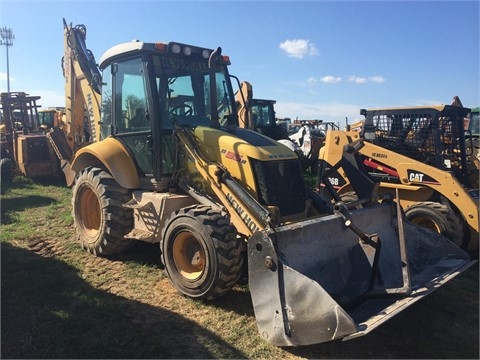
(321, 279)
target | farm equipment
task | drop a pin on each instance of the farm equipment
(211, 194)
(422, 153)
(24, 148)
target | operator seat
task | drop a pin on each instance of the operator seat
(139, 120)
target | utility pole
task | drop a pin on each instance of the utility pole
(7, 40)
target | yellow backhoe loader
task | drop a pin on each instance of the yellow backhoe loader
(210, 193)
(422, 152)
(24, 149)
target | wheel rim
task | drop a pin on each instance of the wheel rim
(427, 223)
(188, 256)
(90, 212)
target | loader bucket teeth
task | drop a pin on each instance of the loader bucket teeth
(317, 280)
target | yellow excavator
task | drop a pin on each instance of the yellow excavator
(424, 154)
(184, 175)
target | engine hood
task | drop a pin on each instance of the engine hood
(238, 143)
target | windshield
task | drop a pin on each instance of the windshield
(263, 115)
(184, 89)
(46, 118)
(474, 124)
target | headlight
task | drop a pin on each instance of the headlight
(176, 49)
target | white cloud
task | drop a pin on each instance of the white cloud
(299, 48)
(330, 79)
(357, 79)
(377, 79)
(364, 80)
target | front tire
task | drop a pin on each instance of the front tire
(201, 252)
(437, 217)
(100, 221)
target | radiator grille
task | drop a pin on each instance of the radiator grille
(280, 183)
(37, 149)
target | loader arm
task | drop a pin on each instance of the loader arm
(246, 213)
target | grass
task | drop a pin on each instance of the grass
(24, 198)
(60, 302)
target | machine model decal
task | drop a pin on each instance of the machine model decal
(233, 156)
(419, 177)
(379, 155)
(240, 211)
(91, 117)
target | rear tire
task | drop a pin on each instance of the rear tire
(201, 252)
(6, 170)
(100, 221)
(437, 217)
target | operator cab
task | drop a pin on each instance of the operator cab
(168, 84)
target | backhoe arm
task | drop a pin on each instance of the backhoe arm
(82, 87)
(243, 99)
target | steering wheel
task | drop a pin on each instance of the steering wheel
(188, 110)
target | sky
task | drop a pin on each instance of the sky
(318, 59)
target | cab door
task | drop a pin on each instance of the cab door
(132, 120)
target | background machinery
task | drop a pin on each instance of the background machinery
(212, 194)
(303, 137)
(24, 149)
(310, 135)
(51, 117)
(472, 136)
(258, 114)
(422, 152)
